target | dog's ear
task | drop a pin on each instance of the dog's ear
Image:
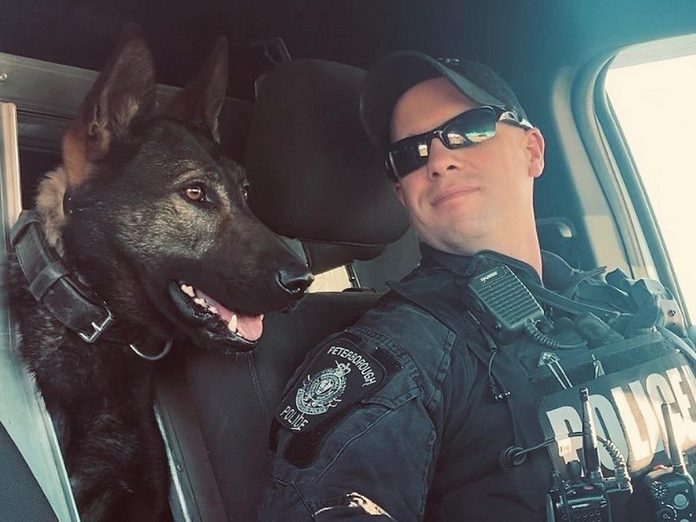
(123, 93)
(201, 101)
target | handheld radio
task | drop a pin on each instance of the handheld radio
(586, 497)
(671, 488)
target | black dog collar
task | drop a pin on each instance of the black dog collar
(54, 285)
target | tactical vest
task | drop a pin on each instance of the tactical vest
(628, 380)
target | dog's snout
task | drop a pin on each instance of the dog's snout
(295, 281)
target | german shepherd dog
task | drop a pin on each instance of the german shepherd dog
(147, 214)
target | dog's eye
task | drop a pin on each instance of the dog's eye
(245, 189)
(195, 193)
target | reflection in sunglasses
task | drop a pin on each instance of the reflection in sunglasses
(468, 128)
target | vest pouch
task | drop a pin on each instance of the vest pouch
(584, 364)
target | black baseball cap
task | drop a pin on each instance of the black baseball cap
(396, 73)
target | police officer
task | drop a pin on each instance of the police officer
(407, 414)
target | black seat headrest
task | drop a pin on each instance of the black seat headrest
(313, 174)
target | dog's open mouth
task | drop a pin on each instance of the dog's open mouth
(200, 309)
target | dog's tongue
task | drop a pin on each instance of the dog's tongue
(248, 326)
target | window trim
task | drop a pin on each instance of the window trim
(636, 192)
(650, 240)
(603, 215)
(24, 414)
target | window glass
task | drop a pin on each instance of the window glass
(655, 106)
(332, 281)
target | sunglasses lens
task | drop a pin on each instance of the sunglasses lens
(408, 156)
(468, 128)
(471, 127)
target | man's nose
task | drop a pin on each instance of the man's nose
(440, 158)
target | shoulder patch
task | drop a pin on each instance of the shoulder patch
(339, 375)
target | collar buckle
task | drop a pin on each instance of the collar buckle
(98, 329)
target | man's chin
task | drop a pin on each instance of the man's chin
(455, 240)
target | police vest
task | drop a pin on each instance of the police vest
(628, 378)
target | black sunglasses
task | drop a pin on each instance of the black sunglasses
(468, 128)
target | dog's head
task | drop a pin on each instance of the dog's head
(155, 216)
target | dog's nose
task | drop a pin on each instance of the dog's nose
(295, 281)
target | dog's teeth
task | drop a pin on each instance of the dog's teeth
(232, 325)
(199, 301)
(188, 290)
(212, 309)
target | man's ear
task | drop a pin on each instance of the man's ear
(535, 152)
(123, 93)
(399, 193)
(201, 101)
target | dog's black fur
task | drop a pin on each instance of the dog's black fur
(152, 203)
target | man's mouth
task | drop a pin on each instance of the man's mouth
(201, 310)
(448, 195)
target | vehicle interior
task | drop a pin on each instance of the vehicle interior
(291, 120)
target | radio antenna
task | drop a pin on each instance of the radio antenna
(590, 452)
(675, 454)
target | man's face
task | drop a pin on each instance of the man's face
(468, 199)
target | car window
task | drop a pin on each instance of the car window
(652, 100)
(332, 281)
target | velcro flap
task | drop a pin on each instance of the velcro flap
(339, 375)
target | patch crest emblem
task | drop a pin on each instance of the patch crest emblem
(340, 374)
(323, 391)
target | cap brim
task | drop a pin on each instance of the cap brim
(392, 76)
